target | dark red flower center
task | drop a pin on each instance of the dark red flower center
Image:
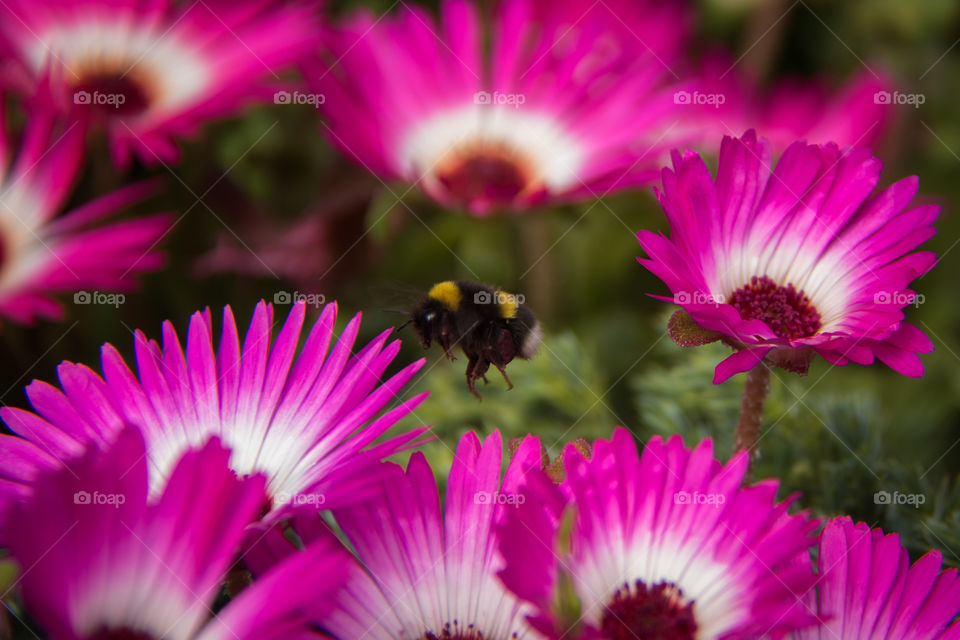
(659, 612)
(789, 313)
(112, 94)
(120, 634)
(492, 174)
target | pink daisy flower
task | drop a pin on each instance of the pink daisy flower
(425, 571)
(663, 545)
(98, 561)
(570, 101)
(43, 253)
(802, 259)
(867, 588)
(308, 422)
(150, 71)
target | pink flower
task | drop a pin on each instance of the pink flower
(151, 71)
(794, 261)
(569, 102)
(101, 561)
(725, 101)
(867, 588)
(43, 253)
(427, 568)
(308, 422)
(663, 545)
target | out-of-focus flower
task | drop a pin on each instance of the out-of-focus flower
(867, 588)
(43, 253)
(569, 101)
(99, 561)
(307, 421)
(726, 102)
(663, 545)
(151, 71)
(802, 259)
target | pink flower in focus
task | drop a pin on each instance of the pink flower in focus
(308, 421)
(427, 564)
(868, 589)
(801, 259)
(666, 544)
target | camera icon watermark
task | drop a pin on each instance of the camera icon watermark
(899, 298)
(98, 98)
(498, 498)
(497, 98)
(499, 298)
(97, 498)
(698, 297)
(697, 98)
(912, 99)
(299, 97)
(97, 297)
(697, 498)
(317, 300)
(912, 499)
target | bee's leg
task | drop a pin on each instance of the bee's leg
(472, 376)
(480, 368)
(446, 330)
(503, 372)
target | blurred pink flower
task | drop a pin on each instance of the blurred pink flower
(43, 253)
(150, 71)
(723, 101)
(101, 560)
(573, 100)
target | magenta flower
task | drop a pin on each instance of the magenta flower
(794, 261)
(425, 572)
(43, 253)
(867, 588)
(568, 102)
(663, 545)
(152, 71)
(308, 422)
(98, 561)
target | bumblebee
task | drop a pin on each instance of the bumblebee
(490, 326)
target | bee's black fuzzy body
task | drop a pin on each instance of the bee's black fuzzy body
(489, 325)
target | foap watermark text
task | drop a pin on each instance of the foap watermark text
(291, 297)
(685, 497)
(497, 98)
(98, 297)
(98, 498)
(487, 497)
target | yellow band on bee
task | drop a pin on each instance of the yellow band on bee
(448, 294)
(508, 304)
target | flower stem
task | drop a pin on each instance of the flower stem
(751, 409)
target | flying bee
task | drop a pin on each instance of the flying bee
(489, 325)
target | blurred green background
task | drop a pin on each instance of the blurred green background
(270, 207)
